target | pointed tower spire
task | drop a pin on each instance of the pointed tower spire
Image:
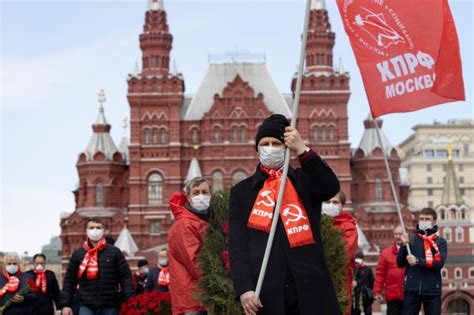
(320, 40)
(194, 170)
(451, 192)
(318, 5)
(174, 72)
(156, 40)
(156, 5)
(125, 241)
(340, 70)
(101, 141)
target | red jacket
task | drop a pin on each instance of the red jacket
(184, 242)
(389, 275)
(347, 224)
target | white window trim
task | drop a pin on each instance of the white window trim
(444, 273)
(462, 234)
(469, 273)
(456, 274)
(445, 234)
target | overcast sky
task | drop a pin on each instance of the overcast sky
(57, 55)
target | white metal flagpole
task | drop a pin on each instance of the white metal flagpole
(294, 116)
(390, 178)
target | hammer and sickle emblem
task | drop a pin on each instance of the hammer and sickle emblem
(293, 216)
(268, 201)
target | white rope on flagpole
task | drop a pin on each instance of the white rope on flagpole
(294, 116)
(390, 178)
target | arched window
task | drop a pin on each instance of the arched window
(163, 136)
(217, 181)
(323, 134)
(238, 176)
(217, 134)
(442, 214)
(243, 134)
(194, 136)
(155, 189)
(99, 195)
(457, 273)
(155, 136)
(331, 134)
(459, 234)
(378, 189)
(453, 214)
(447, 234)
(444, 273)
(146, 135)
(463, 214)
(234, 134)
(315, 134)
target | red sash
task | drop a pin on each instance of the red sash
(12, 283)
(89, 262)
(429, 242)
(41, 280)
(164, 277)
(292, 212)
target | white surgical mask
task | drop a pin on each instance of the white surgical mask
(163, 262)
(201, 202)
(12, 269)
(144, 270)
(95, 234)
(271, 157)
(425, 225)
(359, 260)
(39, 267)
(331, 209)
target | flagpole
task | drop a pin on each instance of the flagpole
(294, 116)
(390, 178)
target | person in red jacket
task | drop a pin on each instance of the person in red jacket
(347, 224)
(388, 275)
(192, 212)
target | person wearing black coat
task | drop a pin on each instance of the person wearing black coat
(140, 277)
(423, 267)
(154, 283)
(297, 280)
(47, 292)
(102, 273)
(10, 275)
(363, 285)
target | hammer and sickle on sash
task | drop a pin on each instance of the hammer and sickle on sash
(293, 216)
(267, 201)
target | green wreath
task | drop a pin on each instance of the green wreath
(215, 290)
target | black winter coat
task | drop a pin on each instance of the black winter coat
(113, 280)
(364, 277)
(152, 282)
(44, 303)
(420, 279)
(24, 308)
(314, 183)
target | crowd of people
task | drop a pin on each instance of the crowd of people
(297, 281)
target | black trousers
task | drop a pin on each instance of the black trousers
(395, 307)
(367, 310)
(291, 299)
(412, 304)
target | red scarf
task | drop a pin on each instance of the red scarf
(164, 277)
(12, 283)
(89, 262)
(41, 280)
(292, 214)
(429, 243)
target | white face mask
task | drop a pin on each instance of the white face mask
(144, 270)
(359, 260)
(425, 225)
(12, 269)
(95, 234)
(163, 262)
(271, 157)
(201, 202)
(331, 209)
(39, 267)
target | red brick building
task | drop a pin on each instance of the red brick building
(214, 132)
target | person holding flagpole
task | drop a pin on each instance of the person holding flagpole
(297, 280)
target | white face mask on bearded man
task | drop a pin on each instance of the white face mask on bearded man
(271, 157)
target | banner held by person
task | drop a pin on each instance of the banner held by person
(408, 53)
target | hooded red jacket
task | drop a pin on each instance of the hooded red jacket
(347, 224)
(389, 275)
(185, 239)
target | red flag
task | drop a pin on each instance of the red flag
(407, 52)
